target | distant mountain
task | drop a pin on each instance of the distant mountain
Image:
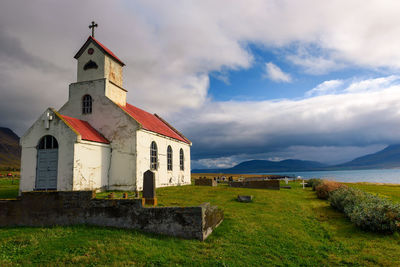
(255, 166)
(386, 158)
(10, 151)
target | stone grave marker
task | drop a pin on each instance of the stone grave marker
(245, 199)
(286, 180)
(303, 183)
(149, 188)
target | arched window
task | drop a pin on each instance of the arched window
(181, 160)
(48, 142)
(169, 158)
(86, 104)
(153, 156)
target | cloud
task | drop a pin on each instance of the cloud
(275, 74)
(170, 53)
(325, 88)
(342, 120)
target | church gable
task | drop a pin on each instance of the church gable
(96, 61)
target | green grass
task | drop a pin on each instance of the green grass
(283, 228)
(391, 192)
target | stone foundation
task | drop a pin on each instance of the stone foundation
(81, 207)
(266, 184)
(205, 181)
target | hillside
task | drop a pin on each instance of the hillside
(386, 158)
(10, 152)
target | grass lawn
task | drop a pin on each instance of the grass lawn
(391, 192)
(285, 228)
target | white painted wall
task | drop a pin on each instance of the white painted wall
(110, 120)
(163, 176)
(91, 165)
(107, 67)
(66, 139)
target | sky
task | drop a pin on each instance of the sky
(302, 79)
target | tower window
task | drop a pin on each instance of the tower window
(90, 65)
(181, 160)
(87, 104)
(169, 158)
(153, 156)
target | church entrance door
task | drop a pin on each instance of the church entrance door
(47, 164)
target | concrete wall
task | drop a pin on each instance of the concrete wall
(91, 165)
(205, 182)
(163, 176)
(110, 120)
(91, 74)
(113, 71)
(269, 184)
(66, 139)
(79, 207)
(116, 94)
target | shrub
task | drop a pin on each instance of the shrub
(367, 211)
(376, 215)
(312, 182)
(326, 187)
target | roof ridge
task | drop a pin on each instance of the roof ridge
(172, 128)
(153, 123)
(103, 47)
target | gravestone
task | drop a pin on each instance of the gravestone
(303, 183)
(244, 198)
(149, 188)
(286, 180)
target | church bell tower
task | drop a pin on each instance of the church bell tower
(95, 62)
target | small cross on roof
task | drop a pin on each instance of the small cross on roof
(94, 24)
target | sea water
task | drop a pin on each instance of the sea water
(372, 176)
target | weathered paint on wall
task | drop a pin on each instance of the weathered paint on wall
(110, 120)
(116, 94)
(163, 176)
(106, 66)
(113, 71)
(91, 165)
(66, 139)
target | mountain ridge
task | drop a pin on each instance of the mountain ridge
(10, 151)
(389, 157)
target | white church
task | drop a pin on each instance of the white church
(97, 141)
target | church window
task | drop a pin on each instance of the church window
(87, 104)
(48, 142)
(181, 159)
(169, 158)
(153, 156)
(90, 65)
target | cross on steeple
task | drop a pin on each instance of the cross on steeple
(92, 27)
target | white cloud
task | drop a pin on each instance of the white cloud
(274, 73)
(325, 88)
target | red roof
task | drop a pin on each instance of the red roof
(153, 123)
(86, 131)
(101, 46)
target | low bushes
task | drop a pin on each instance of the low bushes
(367, 211)
(324, 188)
(313, 183)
